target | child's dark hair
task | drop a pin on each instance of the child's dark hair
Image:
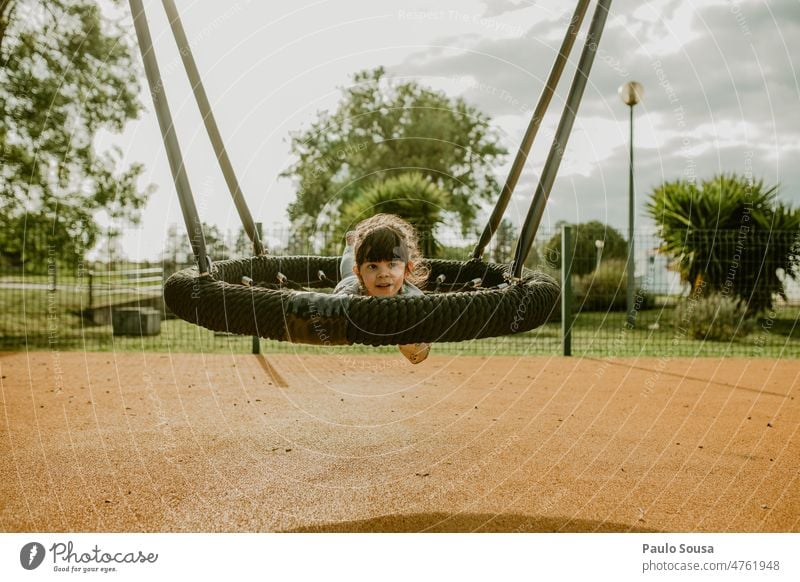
(387, 237)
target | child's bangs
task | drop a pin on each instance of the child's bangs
(383, 244)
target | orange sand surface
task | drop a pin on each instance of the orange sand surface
(143, 442)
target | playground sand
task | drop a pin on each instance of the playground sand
(144, 442)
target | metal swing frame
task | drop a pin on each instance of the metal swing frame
(222, 298)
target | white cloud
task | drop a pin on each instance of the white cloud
(666, 35)
(731, 66)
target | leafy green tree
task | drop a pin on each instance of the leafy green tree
(241, 245)
(584, 237)
(66, 73)
(504, 243)
(729, 235)
(411, 196)
(216, 245)
(381, 129)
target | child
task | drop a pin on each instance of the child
(381, 259)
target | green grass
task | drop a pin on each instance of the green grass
(40, 320)
(39, 311)
(606, 334)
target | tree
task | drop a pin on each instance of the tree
(382, 129)
(241, 245)
(177, 252)
(67, 73)
(504, 243)
(729, 235)
(411, 196)
(584, 237)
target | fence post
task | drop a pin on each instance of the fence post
(91, 290)
(256, 339)
(566, 289)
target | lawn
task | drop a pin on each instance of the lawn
(37, 318)
(30, 322)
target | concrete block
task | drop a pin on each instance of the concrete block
(137, 321)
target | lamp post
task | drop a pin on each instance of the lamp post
(599, 245)
(631, 93)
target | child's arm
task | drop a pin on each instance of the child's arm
(348, 286)
(409, 289)
(414, 353)
(348, 256)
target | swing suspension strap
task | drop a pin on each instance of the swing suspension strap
(536, 210)
(533, 128)
(211, 125)
(189, 210)
(550, 169)
(177, 166)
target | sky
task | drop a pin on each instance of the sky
(720, 78)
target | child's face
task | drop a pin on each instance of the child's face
(382, 278)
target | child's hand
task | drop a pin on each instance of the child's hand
(350, 238)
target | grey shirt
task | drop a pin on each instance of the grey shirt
(350, 285)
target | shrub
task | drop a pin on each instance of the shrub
(584, 237)
(714, 317)
(605, 289)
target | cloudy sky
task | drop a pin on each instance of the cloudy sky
(721, 94)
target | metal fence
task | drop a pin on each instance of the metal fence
(60, 304)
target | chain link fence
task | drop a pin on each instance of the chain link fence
(718, 295)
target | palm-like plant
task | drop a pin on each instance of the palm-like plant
(411, 196)
(729, 235)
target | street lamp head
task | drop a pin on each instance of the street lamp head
(631, 93)
(600, 244)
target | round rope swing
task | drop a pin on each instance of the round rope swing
(274, 296)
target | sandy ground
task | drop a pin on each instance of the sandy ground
(174, 443)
